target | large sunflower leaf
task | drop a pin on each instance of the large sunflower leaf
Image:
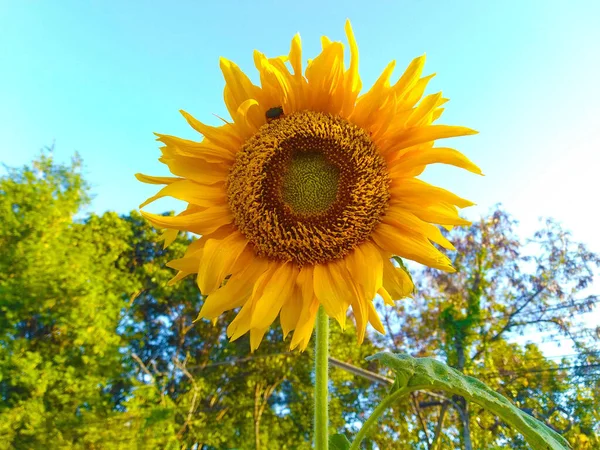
(338, 442)
(428, 374)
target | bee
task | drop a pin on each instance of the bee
(274, 113)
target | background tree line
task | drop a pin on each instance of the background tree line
(98, 351)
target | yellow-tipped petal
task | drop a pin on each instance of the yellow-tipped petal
(256, 337)
(410, 76)
(421, 157)
(205, 150)
(189, 265)
(331, 289)
(268, 304)
(193, 193)
(156, 180)
(241, 324)
(411, 246)
(420, 135)
(235, 292)
(219, 256)
(290, 312)
(354, 83)
(369, 103)
(366, 267)
(238, 89)
(223, 136)
(401, 218)
(306, 325)
(387, 299)
(374, 318)
(412, 96)
(169, 237)
(417, 191)
(325, 80)
(203, 222)
(426, 107)
(396, 282)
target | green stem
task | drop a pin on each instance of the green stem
(374, 417)
(321, 379)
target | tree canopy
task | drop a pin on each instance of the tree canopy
(98, 350)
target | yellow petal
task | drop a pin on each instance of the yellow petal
(239, 89)
(273, 296)
(240, 325)
(411, 246)
(352, 82)
(374, 318)
(155, 180)
(306, 325)
(422, 157)
(417, 191)
(295, 57)
(219, 256)
(243, 321)
(290, 312)
(256, 336)
(224, 136)
(180, 276)
(194, 193)
(193, 168)
(387, 299)
(411, 97)
(396, 282)
(169, 237)
(419, 135)
(205, 150)
(440, 213)
(202, 222)
(246, 118)
(325, 80)
(401, 218)
(276, 82)
(360, 311)
(410, 76)
(426, 106)
(235, 292)
(189, 263)
(332, 291)
(366, 268)
(367, 104)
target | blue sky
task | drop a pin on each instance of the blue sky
(98, 77)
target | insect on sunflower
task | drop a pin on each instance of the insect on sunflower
(306, 195)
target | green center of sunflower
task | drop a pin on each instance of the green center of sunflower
(311, 183)
(308, 187)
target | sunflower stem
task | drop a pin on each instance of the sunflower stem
(321, 422)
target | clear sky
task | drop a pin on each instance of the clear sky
(98, 77)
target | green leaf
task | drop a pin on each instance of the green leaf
(428, 374)
(338, 442)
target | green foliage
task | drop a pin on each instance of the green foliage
(97, 351)
(61, 298)
(504, 287)
(339, 442)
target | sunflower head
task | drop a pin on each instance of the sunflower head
(307, 194)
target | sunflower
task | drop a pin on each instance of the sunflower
(308, 196)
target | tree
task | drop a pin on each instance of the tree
(99, 350)
(503, 288)
(60, 302)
